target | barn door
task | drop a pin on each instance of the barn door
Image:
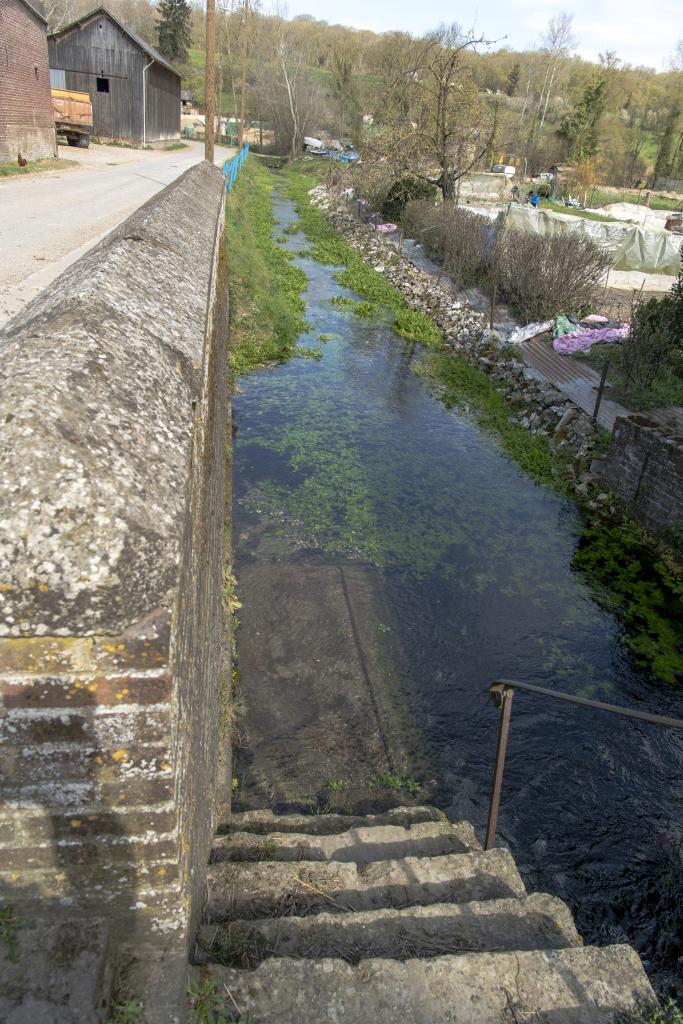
(104, 121)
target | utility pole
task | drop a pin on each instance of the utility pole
(243, 93)
(210, 67)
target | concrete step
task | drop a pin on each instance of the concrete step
(265, 821)
(272, 889)
(533, 922)
(567, 986)
(55, 967)
(357, 845)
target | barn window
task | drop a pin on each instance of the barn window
(103, 85)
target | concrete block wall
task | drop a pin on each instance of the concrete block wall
(113, 644)
(26, 121)
(644, 466)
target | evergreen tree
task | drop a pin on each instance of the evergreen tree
(175, 33)
(513, 80)
(581, 129)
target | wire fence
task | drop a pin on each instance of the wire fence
(231, 168)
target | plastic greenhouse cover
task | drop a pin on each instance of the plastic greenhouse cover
(634, 248)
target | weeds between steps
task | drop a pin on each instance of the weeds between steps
(127, 1011)
(668, 1013)
(207, 1004)
(9, 928)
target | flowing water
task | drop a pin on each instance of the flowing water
(351, 473)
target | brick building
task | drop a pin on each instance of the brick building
(26, 122)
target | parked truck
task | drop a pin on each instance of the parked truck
(72, 112)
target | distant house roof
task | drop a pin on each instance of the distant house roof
(138, 40)
(36, 7)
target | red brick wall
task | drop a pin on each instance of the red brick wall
(26, 124)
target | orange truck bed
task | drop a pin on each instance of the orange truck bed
(72, 112)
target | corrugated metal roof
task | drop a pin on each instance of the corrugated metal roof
(580, 383)
(138, 40)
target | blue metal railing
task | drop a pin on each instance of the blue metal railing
(232, 167)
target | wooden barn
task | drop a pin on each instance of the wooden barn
(135, 92)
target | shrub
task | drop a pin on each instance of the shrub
(461, 240)
(544, 189)
(539, 276)
(403, 191)
(653, 351)
(370, 180)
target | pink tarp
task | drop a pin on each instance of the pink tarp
(579, 340)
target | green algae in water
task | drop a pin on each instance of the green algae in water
(351, 503)
(641, 589)
(266, 305)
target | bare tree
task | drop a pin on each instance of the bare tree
(558, 39)
(286, 88)
(441, 124)
(59, 13)
(676, 60)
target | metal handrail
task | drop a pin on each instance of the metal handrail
(502, 692)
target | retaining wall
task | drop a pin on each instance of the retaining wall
(113, 645)
(644, 465)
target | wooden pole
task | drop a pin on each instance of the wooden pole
(601, 388)
(493, 306)
(210, 68)
(243, 92)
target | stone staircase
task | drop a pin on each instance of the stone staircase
(396, 918)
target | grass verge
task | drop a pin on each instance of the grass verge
(35, 167)
(601, 198)
(266, 308)
(568, 211)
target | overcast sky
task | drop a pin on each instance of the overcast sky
(641, 33)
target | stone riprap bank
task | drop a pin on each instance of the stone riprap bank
(113, 647)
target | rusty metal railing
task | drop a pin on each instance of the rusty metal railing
(502, 693)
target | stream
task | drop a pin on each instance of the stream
(372, 523)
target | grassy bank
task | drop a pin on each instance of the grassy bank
(266, 308)
(600, 197)
(35, 167)
(330, 248)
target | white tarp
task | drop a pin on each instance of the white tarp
(634, 248)
(643, 215)
(636, 280)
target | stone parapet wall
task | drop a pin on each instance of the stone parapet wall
(644, 466)
(113, 645)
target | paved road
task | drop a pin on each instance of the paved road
(48, 220)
